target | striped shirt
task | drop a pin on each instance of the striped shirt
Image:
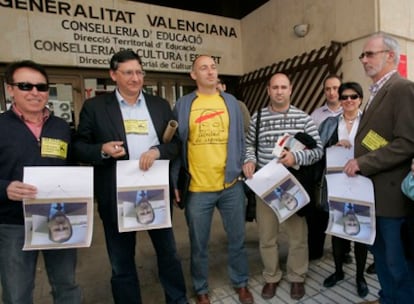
(375, 87)
(274, 124)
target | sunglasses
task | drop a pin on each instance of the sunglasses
(345, 97)
(27, 86)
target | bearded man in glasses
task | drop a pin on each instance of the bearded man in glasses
(384, 147)
(30, 136)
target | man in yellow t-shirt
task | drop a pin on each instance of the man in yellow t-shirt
(212, 136)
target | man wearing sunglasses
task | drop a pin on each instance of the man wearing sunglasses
(30, 136)
(384, 147)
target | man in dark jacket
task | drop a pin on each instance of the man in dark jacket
(128, 124)
(30, 136)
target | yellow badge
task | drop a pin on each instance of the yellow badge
(373, 141)
(136, 126)
(51, 147)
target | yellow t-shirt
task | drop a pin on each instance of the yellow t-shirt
(207, 143)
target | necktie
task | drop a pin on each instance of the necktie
(141, 196)
(56, 207)
(349, 208)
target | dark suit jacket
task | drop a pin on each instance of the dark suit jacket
(391, 115)
(100, 122)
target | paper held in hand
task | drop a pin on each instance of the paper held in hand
(61, 215)
(337, 157)
(351, 208)
(143, 196)
(279, 189)
(287, 142)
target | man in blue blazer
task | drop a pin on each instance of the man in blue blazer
(128, 124)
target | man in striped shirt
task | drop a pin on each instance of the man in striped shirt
(278, 118)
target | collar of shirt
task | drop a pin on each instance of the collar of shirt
(45, 114)
(122, 101)
(375, 87)
(34, 127)
(325, 108)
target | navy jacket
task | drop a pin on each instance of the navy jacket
(20, 148)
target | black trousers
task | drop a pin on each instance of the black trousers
(339, 247)
(317, 220)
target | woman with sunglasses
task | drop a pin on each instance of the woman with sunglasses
(341, 131)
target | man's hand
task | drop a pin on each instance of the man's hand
(147, 158)
(248, 169)
(114, 149)
(17, 191)
(287, 159)
(351, 167)
(344, 143)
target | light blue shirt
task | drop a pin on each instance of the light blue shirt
(138, 143)
(322, 113)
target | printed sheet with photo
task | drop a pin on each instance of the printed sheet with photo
(287, 142)
(143, 196)
(61, 215)
(337, 157)
(278, 188)
(351, 208)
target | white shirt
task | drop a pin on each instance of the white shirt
(322, 113)
(343, 133)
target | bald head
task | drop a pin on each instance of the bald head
(279, 90)
(279, 76)
(204, 73)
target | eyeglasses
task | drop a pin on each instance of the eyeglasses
(345, 97)
(131, 73)
(371, 54)
(27, 86)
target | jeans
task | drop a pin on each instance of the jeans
(18, 270)
(397, 284)
(199, 213)
(125, 282)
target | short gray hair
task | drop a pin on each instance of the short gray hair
(391, 44)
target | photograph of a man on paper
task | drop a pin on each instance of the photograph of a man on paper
(350, 221)
(286, 198)
(55, 224)
(143, 209)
